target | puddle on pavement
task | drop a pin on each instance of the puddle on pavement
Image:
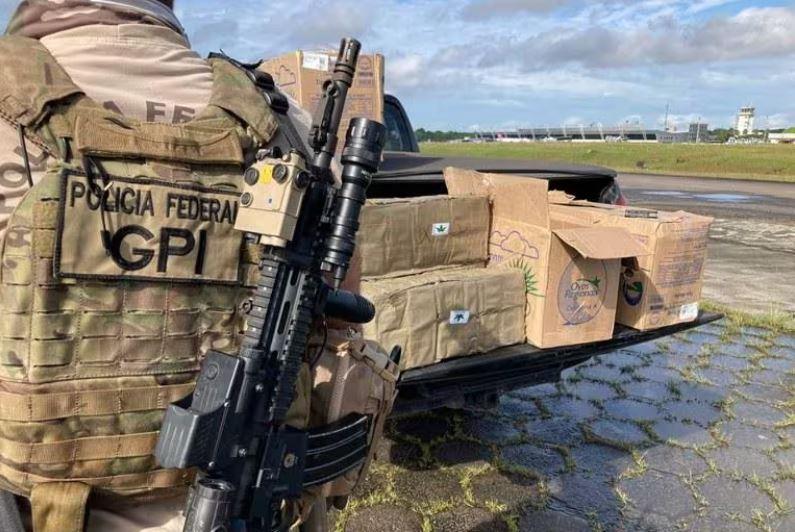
(716, 197)
(724, 198)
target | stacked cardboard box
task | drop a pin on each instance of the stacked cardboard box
(423, 265)
(415, 235)
(571, 265)
(664, 286)
(301, 76)
(448, 313)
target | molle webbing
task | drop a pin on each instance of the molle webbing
(95, 448)
(54, 406)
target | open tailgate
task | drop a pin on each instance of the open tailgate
(446, 383)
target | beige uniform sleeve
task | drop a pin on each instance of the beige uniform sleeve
(13, 178)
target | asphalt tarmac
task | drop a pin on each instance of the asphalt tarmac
(752, 243)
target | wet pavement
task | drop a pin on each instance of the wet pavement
(693, 432)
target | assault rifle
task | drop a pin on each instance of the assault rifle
(233, 427)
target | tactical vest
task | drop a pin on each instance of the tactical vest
(120, 268)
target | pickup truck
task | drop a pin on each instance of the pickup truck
(479, 380)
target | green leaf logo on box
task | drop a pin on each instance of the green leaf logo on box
(440, 229)
(581, 291)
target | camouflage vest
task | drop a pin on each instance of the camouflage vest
(120, 268)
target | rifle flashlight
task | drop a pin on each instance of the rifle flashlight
(364, 144)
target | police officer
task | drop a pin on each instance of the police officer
(134, 58)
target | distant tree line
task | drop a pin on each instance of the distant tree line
(424, 135)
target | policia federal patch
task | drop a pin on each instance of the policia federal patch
(143, 229)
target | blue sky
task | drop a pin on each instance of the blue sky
(513, 63)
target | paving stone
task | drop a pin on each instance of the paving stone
(517, 405)
(745, 461)
(737, 349)
(462, 454)
(589, 390)
(586, 497)
(466, 519)
(631, 409)
(758, 413)
(785, 458)
(730, 496)
(649, 348)
(645, 493)
(619, 432)
(700, 413)
(718, 376)
(647, 389)
(374, 482)
(497, 430)
(672, 460)
(786, 489)
(559, 430)
(539, 458)
(784, 523)
(658, 373)
(679, 363)
(680, 349)
(425, 485)
(675, 429)
(762, 392)
(386, 517)
(576, 409)
(768, 376)
(552, 520)
(719, 522)
(604, 373)
(622, 359)
(515, 491)
(786, 341)
(729, 362)
(600, 462)
(702, 337)
(741, 435)
(750, 333)
(778, 363)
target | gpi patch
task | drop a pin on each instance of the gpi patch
(144, 229)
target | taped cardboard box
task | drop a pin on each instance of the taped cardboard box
(301, 75)
(416, 235)
(571, 267)
(451, 313)
(664, 287)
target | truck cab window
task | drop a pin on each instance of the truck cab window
(398, 134)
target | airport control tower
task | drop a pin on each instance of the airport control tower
(745, 120)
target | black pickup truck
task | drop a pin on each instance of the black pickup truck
(479, 380)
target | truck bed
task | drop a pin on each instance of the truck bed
(448, 383)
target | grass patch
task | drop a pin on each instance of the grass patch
(775, 321)
(764, 162)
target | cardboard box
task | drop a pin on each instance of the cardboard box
(301, 75)
(416, 235)
(664, 287)
(446, 314)
(571, 267)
